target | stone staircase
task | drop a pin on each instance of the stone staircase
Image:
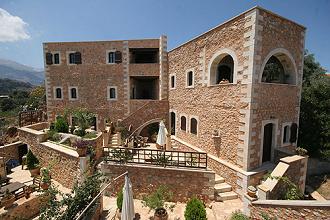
(115, 140)
(222, 190)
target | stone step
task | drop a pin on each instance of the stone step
(226, 196)
(222, 187)
(219, 179)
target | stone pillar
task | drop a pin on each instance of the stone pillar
(163, 68)
(83, 165)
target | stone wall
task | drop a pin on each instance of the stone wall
(184, 183)
(10, 151)
(309, 210)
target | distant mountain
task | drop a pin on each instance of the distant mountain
(16, 71)
(8, 85)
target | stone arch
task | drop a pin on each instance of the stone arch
(140, 128)
(216, 60)
(287, 62)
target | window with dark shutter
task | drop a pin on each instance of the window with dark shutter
(112, 93)
(172, 81)
(111, 57)
(294, 129)
(193, 126)
(190, 78)
(49, 58)
(73, 93)
(58, 93)
(286, 134)
(77, 57)
(56, 58)
(71, 58)
(118, 57)
(183, 123)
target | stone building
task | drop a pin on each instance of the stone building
(233, 91)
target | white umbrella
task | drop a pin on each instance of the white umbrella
(161, 137)
(127, 210)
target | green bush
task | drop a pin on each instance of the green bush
(195, 210)
(53, 135)
(238, 215)
(80, 132)
(120, 198)
(61, 125)
(32, 161)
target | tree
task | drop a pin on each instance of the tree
(7, 104)
(314, 130)
(37, 98)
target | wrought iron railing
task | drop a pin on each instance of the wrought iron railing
(155, 157)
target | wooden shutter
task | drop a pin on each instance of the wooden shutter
(293, 133)
(118, 57)
(77, 58)
(49, 58)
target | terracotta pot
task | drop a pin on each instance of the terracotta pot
(7, 202)
(160, 214)
(82, 152)
(35, 172)
(252, 192)
(44, 186)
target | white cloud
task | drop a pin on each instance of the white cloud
(12, 28)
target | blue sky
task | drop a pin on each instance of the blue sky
(38, 21)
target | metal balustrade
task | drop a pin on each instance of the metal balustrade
(155, 157)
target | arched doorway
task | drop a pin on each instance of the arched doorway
(267, 142)
(173, 119)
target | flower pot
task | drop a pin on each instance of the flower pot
(251, 191)
(35, 172)
(82, 151)
(8, 201)
(44, 186)
(160, 214)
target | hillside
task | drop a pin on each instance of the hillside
(16, 71)
(8, 85)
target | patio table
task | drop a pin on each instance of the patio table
(12, 187)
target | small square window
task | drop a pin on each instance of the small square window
(112, 93)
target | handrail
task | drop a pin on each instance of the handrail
(99, 194)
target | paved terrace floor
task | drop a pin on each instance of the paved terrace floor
(218, 211)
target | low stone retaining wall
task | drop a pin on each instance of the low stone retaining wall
(184, 183)
(290, 209)
(10, 151)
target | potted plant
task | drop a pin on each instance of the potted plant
(81, 146)
(156, 201)
(119, 203)
(8, 199)
(45, 178)
(32, 163)
(251, 190)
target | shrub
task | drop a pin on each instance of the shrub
(32, 161)
(158, 198)
(195, 210)
(53, 135)
(80, 132)
(120, 198)
(61, 125)
(238, 215)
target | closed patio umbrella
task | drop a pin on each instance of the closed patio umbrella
(127, 210)
(161, 137)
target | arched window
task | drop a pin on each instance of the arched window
(73, 93)
(222, 67)
(183, 123)
(58, 93)
(279, 68)
(193, 126)
(286, 134)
